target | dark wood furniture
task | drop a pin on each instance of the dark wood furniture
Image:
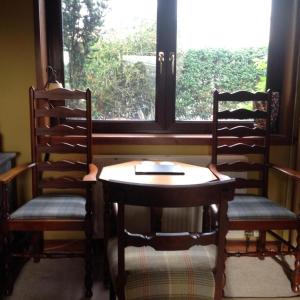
(253, 212)
(197, 187)
(61, 197)
(7, 161)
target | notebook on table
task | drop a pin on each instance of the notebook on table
(158, 169)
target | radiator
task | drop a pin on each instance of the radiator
(137, 219)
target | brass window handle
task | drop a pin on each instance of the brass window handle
(172, 60)
(161, 59)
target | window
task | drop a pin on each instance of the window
(152, 65)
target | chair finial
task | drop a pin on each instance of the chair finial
(52, 82)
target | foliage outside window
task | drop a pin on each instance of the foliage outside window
(121, 70)
(226, 70)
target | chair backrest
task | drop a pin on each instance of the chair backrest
(60, 148)
(215, 192)
(252, 137)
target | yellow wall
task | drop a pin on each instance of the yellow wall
(17, 73)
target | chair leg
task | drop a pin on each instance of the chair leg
(88, 265)
(207, 222)
(38, 245)
(7, 265)
(248, 234)
(106, 271)
(112, 294)
(261, 244)
(296, 273)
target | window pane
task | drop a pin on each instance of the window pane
(109, 46)
(220, 45)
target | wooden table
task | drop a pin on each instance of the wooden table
(125, 172)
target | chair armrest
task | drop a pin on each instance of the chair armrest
(214, 170)
(286, 171)
(92, 176)
(11, 174)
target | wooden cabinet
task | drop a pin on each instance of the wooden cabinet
(7, 161)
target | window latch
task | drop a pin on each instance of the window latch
(172, 60)
(161, 59)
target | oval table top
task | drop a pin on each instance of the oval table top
(125, 172)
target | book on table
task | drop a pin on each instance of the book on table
(158, 168)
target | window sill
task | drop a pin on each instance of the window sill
(168, 139)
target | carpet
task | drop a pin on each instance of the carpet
(59, 279)
(252, 277)
(62, 279)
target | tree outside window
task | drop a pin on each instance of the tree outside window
(119, 66)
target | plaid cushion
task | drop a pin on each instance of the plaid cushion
(256, 207)
(166, 275)
(52, 206)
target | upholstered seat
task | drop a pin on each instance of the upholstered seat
(161, 265)
(256, 207)
(251, 213)
(62, 178)
(155, 274)
(52, 207)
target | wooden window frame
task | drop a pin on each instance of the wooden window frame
(281, 71)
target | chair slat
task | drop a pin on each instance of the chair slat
(61, 129)
(240, 166)
(64, 165)
(240, 131)
(170, 241)
(62, 183)
(240, 148)
(242, 114)
(242, 183)
(60, 112)
(62, 148)
(59, 94)
(69, 139)
(242, 96)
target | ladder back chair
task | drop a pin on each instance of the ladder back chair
(61, 194)
(253, 212)
(155, 265)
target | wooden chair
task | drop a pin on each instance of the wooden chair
(253, 212)
(61, 155)
(146, 266)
